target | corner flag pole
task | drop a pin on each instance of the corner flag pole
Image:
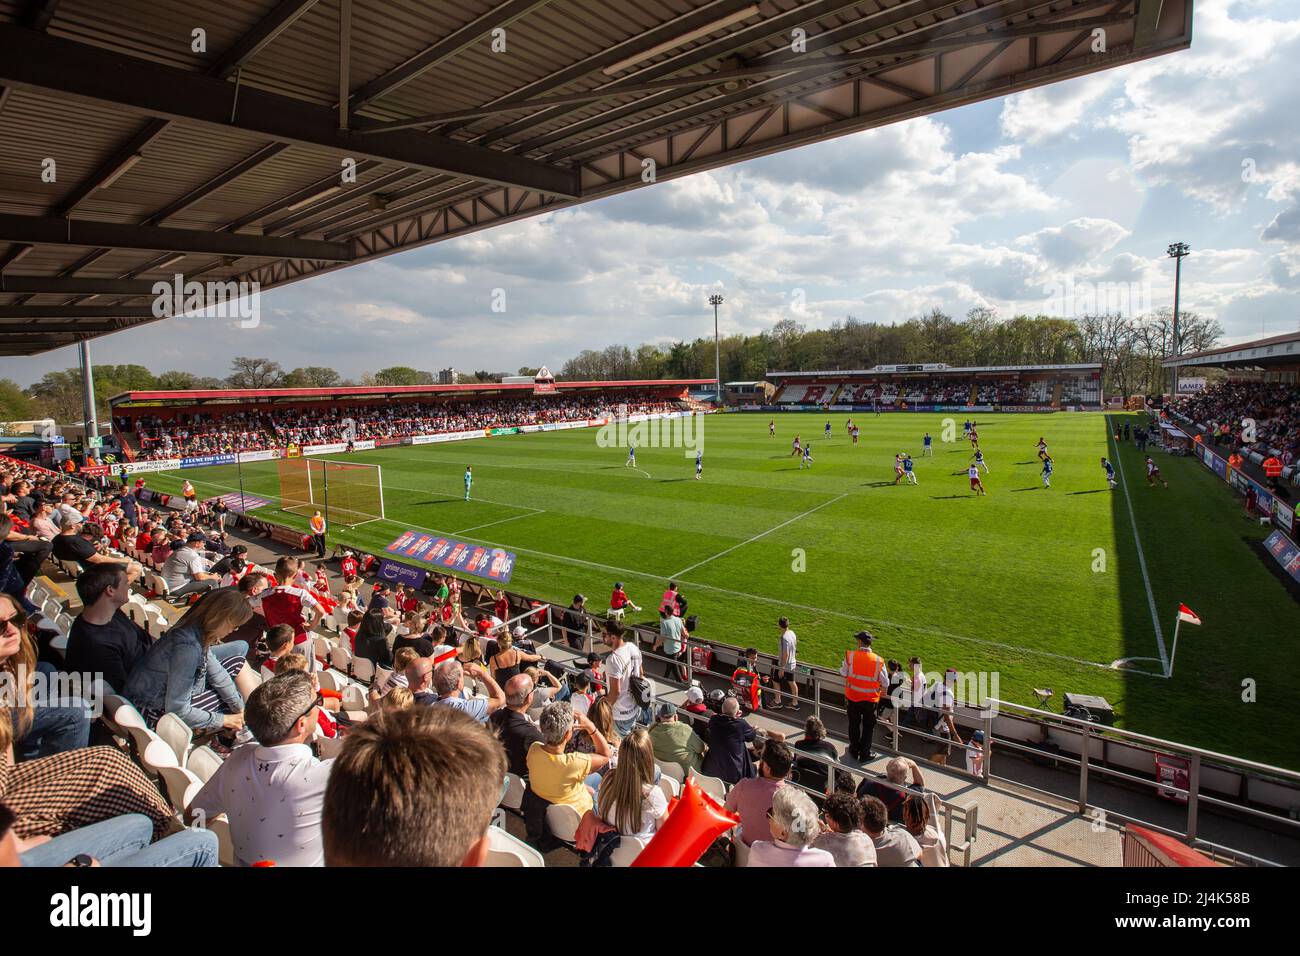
(1169, 671)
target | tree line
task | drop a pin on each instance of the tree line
(1129, 350)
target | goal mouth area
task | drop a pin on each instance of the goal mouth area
(348, 493)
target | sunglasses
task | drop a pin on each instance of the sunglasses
(318, 702)
(18, 619)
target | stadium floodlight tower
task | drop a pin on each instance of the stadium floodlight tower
(1176, 252)
(715, 300)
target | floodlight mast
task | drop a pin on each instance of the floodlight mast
(1176, 251)
(715, 300)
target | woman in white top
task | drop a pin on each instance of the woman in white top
(628, 799)
(794, 826)
(916, 818)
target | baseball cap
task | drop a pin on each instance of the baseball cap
(520, 631)
(665, 711)
(195, 536)
(695, 695)
(864, 636)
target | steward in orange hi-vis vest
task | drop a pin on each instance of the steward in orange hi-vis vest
(864, 683)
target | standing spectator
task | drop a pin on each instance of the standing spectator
(126, 501)
(413, 788)
(843, 837)
(894, 845)
(555, 775)
(675, 741)
(752, 797)
(672, 641)
(944, 707)
(512, 723)
(273, 791)
(624, 666)
(865, 680)
(103, 640)
(318, 533)
(785, 668)
(728, 736)
(575, 623)
(792, 825)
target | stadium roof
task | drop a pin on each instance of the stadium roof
(1275, 350)
(198, 396)
(126, 155)
(919, 369)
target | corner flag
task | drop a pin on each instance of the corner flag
(1185, 613)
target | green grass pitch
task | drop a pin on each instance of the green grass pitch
(1043, 587)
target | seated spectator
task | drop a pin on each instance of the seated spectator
(12, 582)
(413, 788)
(103, 640)
(449, 684)
(42, 522)
(190, 673)
(186, 570)
(273, 790)
(557, 776)
(375, 638)
(792, 825)
(895, 793)
(414, 640)
(916, 818)
(509, 660)
(601, 714)
(752, 797)
(814, 774)
(675, 741)
(401, 661)
(119, 841)
(76, 544)
(629, 800)
(545, 686)
(843, 837)
(513, 726)
(698, 709)
(728, 737)
(54, 794)
(399, 698)
(42, 727)
(279, 642)
(419, 680)
(894, 845)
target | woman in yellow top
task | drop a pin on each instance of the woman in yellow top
(556, 776)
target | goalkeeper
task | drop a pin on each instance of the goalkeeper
(469, 480)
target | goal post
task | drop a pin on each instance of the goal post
(346, 492)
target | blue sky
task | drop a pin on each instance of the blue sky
(998, 204)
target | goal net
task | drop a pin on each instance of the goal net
(345, 492)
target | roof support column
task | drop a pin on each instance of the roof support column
(88, 419)
(345, 58)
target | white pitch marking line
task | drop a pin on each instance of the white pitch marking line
(762, 534)
(1142, 561)
(500, 521)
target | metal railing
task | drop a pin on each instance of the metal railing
(1090, 733)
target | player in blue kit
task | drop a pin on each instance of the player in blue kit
(1110, 473)
(979, 460)
(929, 445)
(907, 469)
(631, 457)
(828, 431)
(807, 457)
(699, 463)
(469, 479)
(1047, 472)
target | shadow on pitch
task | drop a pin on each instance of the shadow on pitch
(1095, 491)
(877, 484)
(1030, 488)
(670, 480)
(952, 497)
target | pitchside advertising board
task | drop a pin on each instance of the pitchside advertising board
(398, 573)
(494, 564)
(1286, 552)
(1267, 503)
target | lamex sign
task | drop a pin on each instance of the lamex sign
(205, 460)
